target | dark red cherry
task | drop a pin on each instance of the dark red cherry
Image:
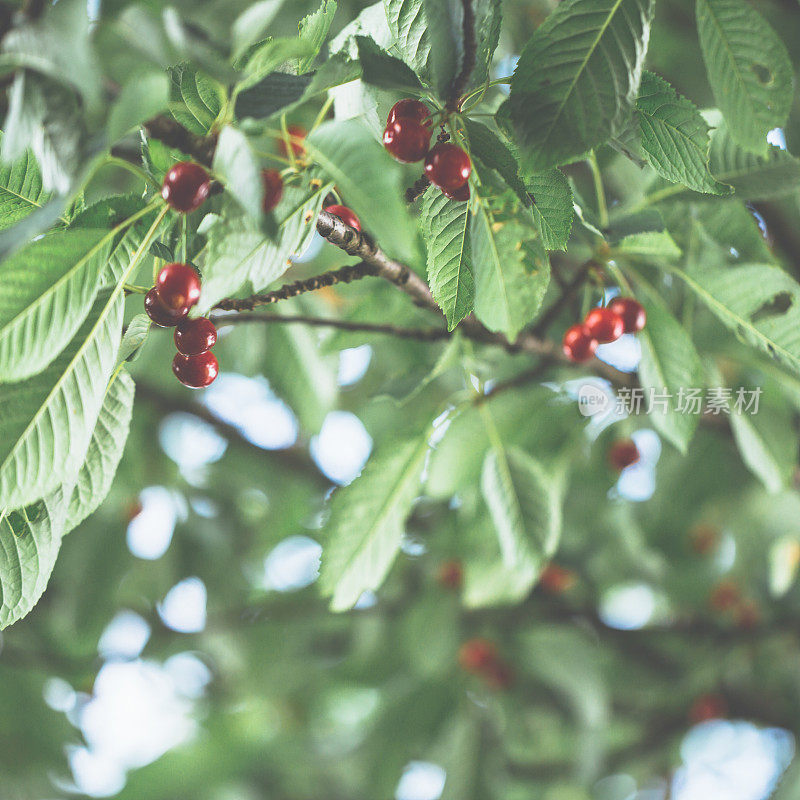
(579, 345)
(195, 336)
(159, 313)
(195, 371)
(604, 325)
(462, 195)
(296, 132)
(346, 215)
(407, 140)
(410, 109)
(631, 312)
(273, 189)
(622, 454)
(448, 166)
(186, 186)
(178, 286)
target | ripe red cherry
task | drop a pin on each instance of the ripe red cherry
(707, 707)
(161, 315)
(622, 454)
(178, 286)
(346, 215)
(579, 345)
(296, 132)
(462, 195)
(407, 140)
(195, 336)
(186, 186)
(448, 166)
(633, 315)
(555, 579)
(604, 325)
(195, 371)
(273, 189)
(450, 575)
(476, 655)
(409, 109)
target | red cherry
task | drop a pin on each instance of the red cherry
(161, 315)
(409, 109)
(555, 579)
(462, 195)
(448, 166)
(407, 140)
(186, 186)
(725, 596)
(475, 655)
(579, 345)
(346, 215)
(178, 286)
(195, 336)
(633, 315)
(604, 325)
(295, 132)
(622, 454)
(195, 371)
(707, 707)
(273, 189)
(450, 575)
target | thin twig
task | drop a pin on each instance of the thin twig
(568, 292)
(343, 275)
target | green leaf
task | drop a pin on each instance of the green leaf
(135, 336)
(668, 365)
(236, 164)
(753, 177)
(252, 23)
(674, 136)
(496, 155)
(488, 24)
(765, 448)
(409, 27)
(46, 291)
(367, 522)
(384, 70)
(47, 421)
(273, 93)
(525, 506)
(140, 99)
(241, 257)
(578, 78)
(105, 450)
(748, 67)
(370, 181)
(314, 29)
(30, 539)
(553, 207)
(508, 290)
(444, 24)
(195, 99)
(445, 225)
(21, 190)
(652, 244)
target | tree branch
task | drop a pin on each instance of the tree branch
(343, 275)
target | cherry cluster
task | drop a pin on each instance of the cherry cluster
(480, 657)
(603, 325)
(408, 138)
(177, 289)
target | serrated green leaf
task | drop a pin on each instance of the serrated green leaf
(140, 99)
(577, 79)
(445, 225)
(382, 69)
(444, 23)
(274, 93)
(651, 244)
(30, 539)
(497, 155)
(748, 67)
(674, 136)
(314, 29)
(508, 291)
(241, 257)
(367, 522)
(195, 99)
(370, 181)
(488, 24)
(252, 23)
(239, 168)
(134, 338)
(105, 451)
(46, 291)
(409, 27)
(669, 365)
(753, 177)
(553, 207)
(21, 190)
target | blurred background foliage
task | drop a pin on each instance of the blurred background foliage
(182, 650)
